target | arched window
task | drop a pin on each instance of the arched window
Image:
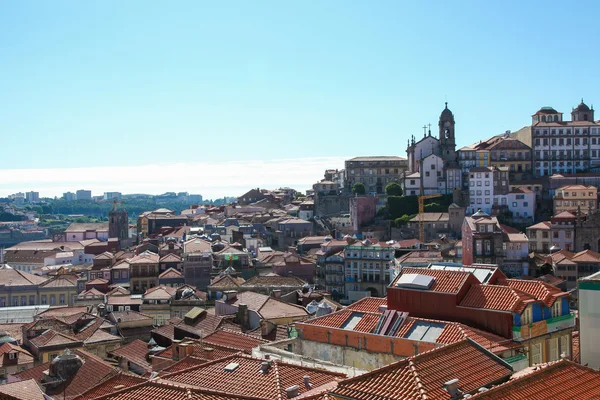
(543, 118)
(585, 117)
(556, 118)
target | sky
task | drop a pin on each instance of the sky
(219, 97)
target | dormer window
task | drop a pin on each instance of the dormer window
(12, 356)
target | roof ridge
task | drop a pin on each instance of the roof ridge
(277, 380)
(413, 369)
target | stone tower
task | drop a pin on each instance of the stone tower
(582, 113)
(118, 223)
(446, 135)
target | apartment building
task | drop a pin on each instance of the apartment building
(561, 146)
(368, 268)
(375, 172)
(574, 198)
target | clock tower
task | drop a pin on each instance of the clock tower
(446, 135)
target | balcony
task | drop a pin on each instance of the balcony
(544, 327)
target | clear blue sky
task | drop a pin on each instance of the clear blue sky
(125, 83)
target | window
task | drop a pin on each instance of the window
(44, 299)
(553, 347)
(526, 316)
(514, 204)
(52, 299)
(556, 310)
(12, 356)
(564, 345)
(62, 299)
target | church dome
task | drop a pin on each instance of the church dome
(582, 107)
(447, 114)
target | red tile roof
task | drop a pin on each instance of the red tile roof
(23, 390)
(539, 290)
(112, 382)
(423, 376)
(587, 256)
(445, 281)
(134, 352)
(368, 304)
(161, 390)
(199, 348)
(561, 380)
(93, 370)
(24, 356)
(496, 297)
(233, 340)
(171, 273)
(248, 379)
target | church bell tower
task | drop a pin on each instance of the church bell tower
(446, 136)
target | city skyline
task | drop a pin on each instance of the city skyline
(232, 179)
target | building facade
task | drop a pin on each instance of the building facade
(374, 172)
(561, 146)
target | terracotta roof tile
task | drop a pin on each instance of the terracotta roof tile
(423, 376)
(559, 381)
(171, 273)
(445, 281)
(93, 370)
(539, 290)
(22, 390)
(273, 280)
(247, 378)
(368, 304)
(159, 390)
(112, 382)
(496, 297)
(233, 340)
(134, 352)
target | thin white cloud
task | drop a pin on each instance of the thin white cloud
(212, 180)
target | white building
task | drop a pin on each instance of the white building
(435, 179)
(520, 202)
(83, 194)
(112, 196)
(74, 257)
(489, 188)
(565, 146)
(589, 320)
(481, 189)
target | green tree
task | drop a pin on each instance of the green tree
(37, 209)
(393, 189)
(359, 188)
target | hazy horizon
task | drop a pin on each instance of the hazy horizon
(210, 180)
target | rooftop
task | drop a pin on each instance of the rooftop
(423, 376)
(561, 380)
(244, 375)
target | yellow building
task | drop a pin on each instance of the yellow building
(498, 151)
(19, 288)
(60, 290)
(572, 198)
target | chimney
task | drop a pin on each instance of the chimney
(230, 295)
(276, 293)
(243, 318)
(265, 366)
(209, 353)
(183, 350)
(266, 327)
(123, 364)
(452, 388)
(292, 391)
(307, 382)
(175, 349)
